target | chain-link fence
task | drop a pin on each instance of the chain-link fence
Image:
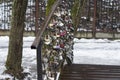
(6, 12)
(107, 15)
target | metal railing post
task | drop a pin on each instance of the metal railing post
(94, 19)
(39, 62)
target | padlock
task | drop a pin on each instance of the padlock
(62, 33)
(62, 45)
(54, 36)
(60, 23)
(57, 35)
(51, 24)
(57, 14)
(47, 39)
(56, 47)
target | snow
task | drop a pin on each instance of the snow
(29, 56)
(86, 51)
(97, 51)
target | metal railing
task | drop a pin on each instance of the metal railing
(37, 44)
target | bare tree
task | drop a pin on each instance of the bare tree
(77, 11)
(14, 58)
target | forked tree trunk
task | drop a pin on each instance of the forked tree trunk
(14, 58)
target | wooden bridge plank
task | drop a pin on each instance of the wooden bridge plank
(90, 72)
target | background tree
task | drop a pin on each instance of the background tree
(14, 58)
(49, 6)
(77, 11)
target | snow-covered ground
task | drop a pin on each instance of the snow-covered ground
(97, 51)
(86, 51)
(29, 56)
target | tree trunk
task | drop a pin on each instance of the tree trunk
(14, 58)
(77, 12)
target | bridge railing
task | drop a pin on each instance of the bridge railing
(37, 44)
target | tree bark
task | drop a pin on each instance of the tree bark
(14, 58)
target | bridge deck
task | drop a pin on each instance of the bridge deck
(90, 72)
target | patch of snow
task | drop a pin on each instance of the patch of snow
(86, 51)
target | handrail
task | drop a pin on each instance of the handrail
(38, 36)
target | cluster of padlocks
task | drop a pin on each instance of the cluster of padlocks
(57, 49)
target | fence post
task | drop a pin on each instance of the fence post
(39, 62)
(94, 19)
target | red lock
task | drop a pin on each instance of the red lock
(62, 45)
